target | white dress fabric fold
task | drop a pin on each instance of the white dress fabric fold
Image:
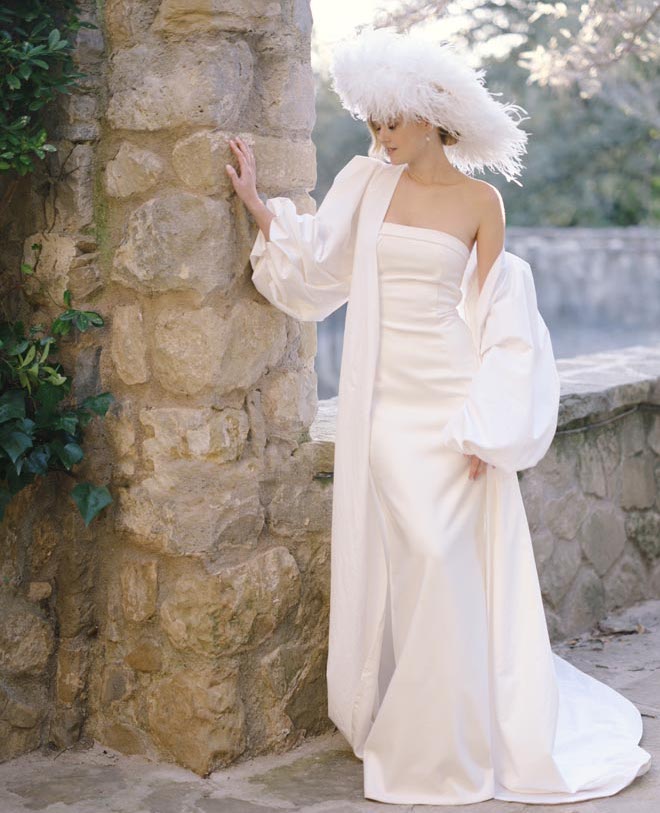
(440, 671)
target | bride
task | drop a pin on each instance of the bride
(440, 672)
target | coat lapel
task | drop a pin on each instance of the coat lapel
(358, 566)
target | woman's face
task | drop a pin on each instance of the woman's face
(403, 140)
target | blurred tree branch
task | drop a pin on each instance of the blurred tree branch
(607, 48)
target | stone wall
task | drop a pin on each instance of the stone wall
(188, 622)
(593, 502)
(593, 276)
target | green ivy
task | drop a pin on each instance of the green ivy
(36, 65)
(40, 431)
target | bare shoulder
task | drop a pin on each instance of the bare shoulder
(488, 204)
(485, 194)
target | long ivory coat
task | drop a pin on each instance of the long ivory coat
(312, 265)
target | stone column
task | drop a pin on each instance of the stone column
(212, 592)
(189, 621)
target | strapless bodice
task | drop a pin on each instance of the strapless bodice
(420, 269)
(427, 355)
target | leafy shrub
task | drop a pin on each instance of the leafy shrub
(36, 65)
(39, 430)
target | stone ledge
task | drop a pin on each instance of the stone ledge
(595, 385)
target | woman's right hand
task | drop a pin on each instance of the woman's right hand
(245, 184)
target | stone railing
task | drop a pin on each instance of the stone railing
(593, 502)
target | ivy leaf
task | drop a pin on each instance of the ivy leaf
(67, 423)
(81, 321)
(12, 405)
(69, 454)
(15, 443)
(99, 403)
(37, 462)
(90, 500)
(95, 318)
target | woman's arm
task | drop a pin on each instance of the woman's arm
(491, 231)
(303, 263)
(245, 184)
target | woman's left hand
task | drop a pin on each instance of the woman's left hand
(477, 465)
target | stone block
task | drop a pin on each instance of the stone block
(176, 242)
(633, 438)
(297, 510)
(564, 516)
(196, 349)
(590, 470)
(72, 670)
(625, 583)
(193, 507)
(19, 713)
(146, 656)
(200, 159)
(289, 400)
(654, 434)
(127, 22)
(235, 608)
(54, 262)
(207, 434)
(139, 586)
(197, 717)
(603, 537)
(188, 349)
(126, 739)
(66, 726)
(133, 170)
(643, 529)
(74, 590)
(584, 603)
(182, 17)
(26, 639)
(288, 85)
(159, 86)
(257, 339)
(560, 570)
(73, 166)
(128, 346)
(16, 741)
(39, 591)
(638, 489)
(117, 684)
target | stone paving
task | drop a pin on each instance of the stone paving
(322, 775)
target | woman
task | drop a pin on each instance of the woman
(440, 671)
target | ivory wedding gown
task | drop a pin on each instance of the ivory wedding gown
(440, 733)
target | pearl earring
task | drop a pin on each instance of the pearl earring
(428, 137)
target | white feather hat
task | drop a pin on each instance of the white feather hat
(382, 74)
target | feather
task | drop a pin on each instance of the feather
(382, 74)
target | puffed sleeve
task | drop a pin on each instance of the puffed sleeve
(509, 416)
(305, 268)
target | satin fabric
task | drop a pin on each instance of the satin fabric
(507, 414)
